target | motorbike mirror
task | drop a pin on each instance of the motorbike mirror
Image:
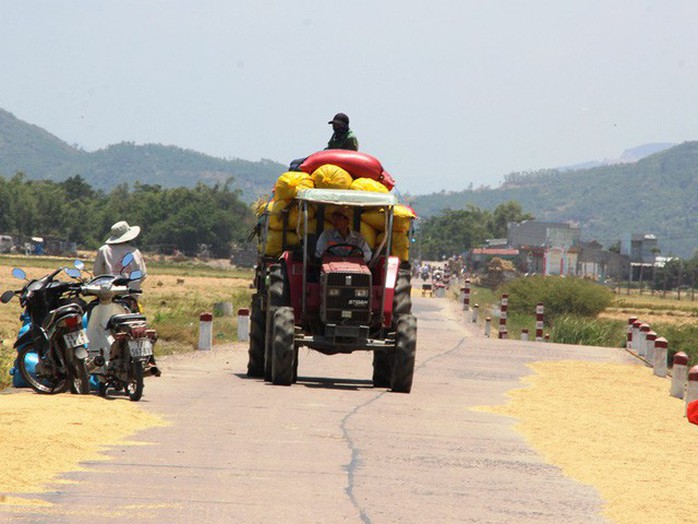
(79, 264)
(135, 275)
(7, 296)
(73, 272)
(128, 258)
(19, 273)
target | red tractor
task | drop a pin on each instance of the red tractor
(334, 304)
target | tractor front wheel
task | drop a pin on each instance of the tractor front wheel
(404, 355)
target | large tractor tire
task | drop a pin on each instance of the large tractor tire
(283, 353)
(404, 355)
(402, 299)
(381, 369)
(255, 360)
(277, 296)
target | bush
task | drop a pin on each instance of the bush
(560, 296)
(680, 337)
(588, 331)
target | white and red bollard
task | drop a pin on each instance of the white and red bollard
(503, 306)
(524, 334)
(650, 346)
(488, 327)
(636, 336)
(659, 356)
(678, 375)
(466, 294)
(692, 386)
(642, 339)
(629, 339)
(476, 307)
(540, 310)
(243, 324)
(205, 331)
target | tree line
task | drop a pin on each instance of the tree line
(453, 231)
(181, 218)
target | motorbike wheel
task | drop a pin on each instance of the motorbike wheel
(49, 385)
(134, 387)
(102, 391)
(80, 378)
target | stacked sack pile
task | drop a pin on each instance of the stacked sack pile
(345, 173)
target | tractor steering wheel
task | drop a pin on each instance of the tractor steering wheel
(354, 251)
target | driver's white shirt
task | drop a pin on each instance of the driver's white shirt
(331, 237)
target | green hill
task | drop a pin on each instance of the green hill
(657, 195)
(40, 156)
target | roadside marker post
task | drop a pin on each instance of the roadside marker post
(692, 386)
(642, 339)
(503, 306)
(650, 346)
(629, 340)
(678, 375)
(205, 331)
(243, 324)
(659, 356)
(540, 310)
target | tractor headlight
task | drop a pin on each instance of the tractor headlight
(361, 293)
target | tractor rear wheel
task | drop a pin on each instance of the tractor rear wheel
(404, 355)
(283, 353)
(255, 360)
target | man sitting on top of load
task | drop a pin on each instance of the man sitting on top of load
(343, 137)
(341, 235)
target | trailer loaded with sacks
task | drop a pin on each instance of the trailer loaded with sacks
(338, 302)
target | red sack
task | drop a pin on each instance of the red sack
(692, 412)
(358, 164)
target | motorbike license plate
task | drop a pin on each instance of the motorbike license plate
(75, 338)
(141, 347)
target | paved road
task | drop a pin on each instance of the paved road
(332, 448)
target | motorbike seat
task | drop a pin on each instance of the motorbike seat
(126, 317)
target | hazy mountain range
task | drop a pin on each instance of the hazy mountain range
(649, 189)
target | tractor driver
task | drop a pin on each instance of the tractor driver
(341, 234)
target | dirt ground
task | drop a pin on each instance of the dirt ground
(642, 459)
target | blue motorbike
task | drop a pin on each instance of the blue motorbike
(51, 345)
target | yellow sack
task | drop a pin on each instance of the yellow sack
(288, 184)
(375, 219)
(294, 215)
(274, 242)
(402, 218)
(369, 235)
(329, 176)
(275, 209)
(400, 247)
(368, 184)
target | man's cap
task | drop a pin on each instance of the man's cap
(340, 118)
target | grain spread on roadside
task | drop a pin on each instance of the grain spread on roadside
(616, 428)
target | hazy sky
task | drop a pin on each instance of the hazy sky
(444, 93)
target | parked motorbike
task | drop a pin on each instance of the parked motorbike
(120, 344)
(51, 350)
